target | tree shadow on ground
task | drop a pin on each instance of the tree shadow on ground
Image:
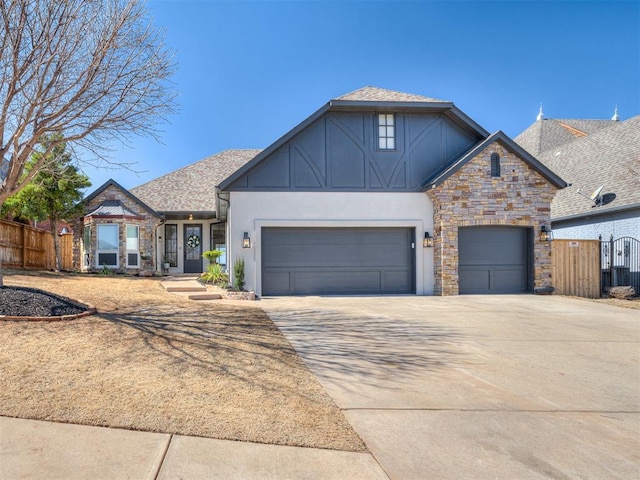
(368, 347)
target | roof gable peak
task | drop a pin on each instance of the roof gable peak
(377, 94)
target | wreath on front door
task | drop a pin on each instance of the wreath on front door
(193, 241)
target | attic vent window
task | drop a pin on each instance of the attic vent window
(495, 165)
(386, 131)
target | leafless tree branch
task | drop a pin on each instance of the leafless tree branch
(91, 71)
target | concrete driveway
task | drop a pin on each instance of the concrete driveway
(478, 386)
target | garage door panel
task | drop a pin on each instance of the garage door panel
(493, 260)
(305, 261)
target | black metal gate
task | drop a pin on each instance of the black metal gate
(620, 263)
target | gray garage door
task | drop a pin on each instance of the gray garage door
(337, 261)
(493, 259)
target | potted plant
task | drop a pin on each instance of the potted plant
(166, 264)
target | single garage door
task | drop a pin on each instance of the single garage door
(493, 260)
(337, 261)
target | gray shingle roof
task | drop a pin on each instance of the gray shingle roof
(375, 94)
(610, 157)
(552, 132)
(191, 188)
(110, 208)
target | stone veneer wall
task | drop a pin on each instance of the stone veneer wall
(146, 232)
(472, 197)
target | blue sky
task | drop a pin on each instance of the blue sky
(249, 71)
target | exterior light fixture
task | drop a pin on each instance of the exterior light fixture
(246, 241)
(191, 216)
(427, 241)
(545, 235)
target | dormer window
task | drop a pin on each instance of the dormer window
(495, 165)
(386, 131)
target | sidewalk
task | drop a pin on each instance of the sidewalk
(34, 449)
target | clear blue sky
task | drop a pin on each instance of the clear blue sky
(249, 71)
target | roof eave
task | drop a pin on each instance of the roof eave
(596, 213)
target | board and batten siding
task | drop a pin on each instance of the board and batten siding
(338, 152)
(252, 211)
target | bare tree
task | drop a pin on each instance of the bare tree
(88, 71)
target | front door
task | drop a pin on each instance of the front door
(193, 248)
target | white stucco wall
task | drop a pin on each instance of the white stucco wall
(251, 211)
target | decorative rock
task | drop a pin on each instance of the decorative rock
(622, 292)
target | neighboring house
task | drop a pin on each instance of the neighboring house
(341, 204)
(600, 159)
(378, 192)
(118, 231)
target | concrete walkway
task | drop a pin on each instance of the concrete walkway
(478, 387)
(31, 449)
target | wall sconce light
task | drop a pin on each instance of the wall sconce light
(246, 241)
(545, 235)
(160, 238)
(191, 216)
(427, 241)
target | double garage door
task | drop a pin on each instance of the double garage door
(337, 261)
(494, 260)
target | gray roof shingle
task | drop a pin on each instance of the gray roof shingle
(610, 156)
(375, 94)
(110, 208)
(552, 132)
(191, 188)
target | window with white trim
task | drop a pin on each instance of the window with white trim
(108, 241)
(133, 246)
(386, 131)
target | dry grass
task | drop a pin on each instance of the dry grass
(154, 361)
(633, 302)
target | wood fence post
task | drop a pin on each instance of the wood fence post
(24, 246)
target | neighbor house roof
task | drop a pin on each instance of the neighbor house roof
(510, 145)
(192, 188)
(548, 133)
(609, 156)
(366, 98)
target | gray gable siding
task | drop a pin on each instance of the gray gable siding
(338, 152)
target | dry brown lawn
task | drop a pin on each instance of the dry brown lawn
(153, 361)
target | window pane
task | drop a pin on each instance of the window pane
(382, 132)
(382, 119)
(107, 237)
(382, 143)
(171, 244)
(389, 119)
(132, 237)
(132, 259)
(391, 144)
(109, 259)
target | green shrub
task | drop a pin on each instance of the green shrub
(212, 255)
(238, 274)
(215, 275)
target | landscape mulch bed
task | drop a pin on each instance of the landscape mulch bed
(153, 361)
(30, 302)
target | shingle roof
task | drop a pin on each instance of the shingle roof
(609, 157)
(110, 208)
(375, 94)
(552, 132)
(191, 188)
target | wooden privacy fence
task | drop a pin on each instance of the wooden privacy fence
(22, 246)
(576, 267)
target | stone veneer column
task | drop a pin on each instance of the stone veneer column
(472, 197)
